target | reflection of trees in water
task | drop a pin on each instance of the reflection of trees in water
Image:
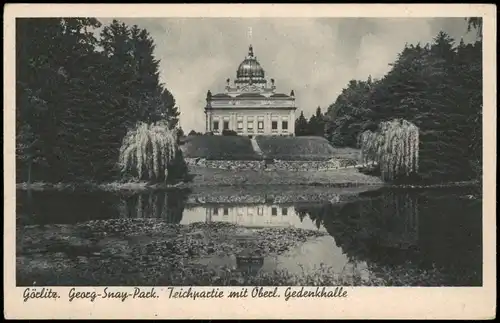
(315, 212)
(301, 213)
(426, 227)
(451, 234)
(369, 228)
(46, 207)
(168, 205)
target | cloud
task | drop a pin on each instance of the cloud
(314, 57)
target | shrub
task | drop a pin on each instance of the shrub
(194, 133)
(151, 152)
(394, 147)
(229, 133)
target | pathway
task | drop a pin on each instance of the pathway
(256, 147)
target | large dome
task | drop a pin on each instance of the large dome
(250, 67)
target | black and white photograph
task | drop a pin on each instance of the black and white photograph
(248, 152)
(252, 151)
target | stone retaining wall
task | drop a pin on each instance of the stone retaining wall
(310, 165)
(273, 165)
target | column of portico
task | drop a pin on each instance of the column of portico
(208, 121)
(235, 116)
(267, 126)
(245, 123)
(291, 123)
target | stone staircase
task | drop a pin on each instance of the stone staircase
(256, 147)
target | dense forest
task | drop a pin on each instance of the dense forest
(78, 93)
(437, 87)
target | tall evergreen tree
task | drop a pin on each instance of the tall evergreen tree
(301, 126)
(348, 116)
(168, 109)
(316, 124)
(48, 54)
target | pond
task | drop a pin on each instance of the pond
(382, 237)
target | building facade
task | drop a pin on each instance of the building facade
(251, 106)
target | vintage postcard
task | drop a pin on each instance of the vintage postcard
(244, 161)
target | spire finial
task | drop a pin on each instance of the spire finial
(250, 48)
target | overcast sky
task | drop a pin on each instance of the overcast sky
(314, 57)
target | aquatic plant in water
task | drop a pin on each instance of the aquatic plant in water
(148, 151)
(394, 147)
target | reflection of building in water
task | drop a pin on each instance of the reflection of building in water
(249, 215)
(255, 215)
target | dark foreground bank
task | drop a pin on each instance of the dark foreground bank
(149, 252)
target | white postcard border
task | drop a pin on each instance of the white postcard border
(362, 302)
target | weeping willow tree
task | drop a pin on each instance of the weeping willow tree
(393, 147)
(151, 152)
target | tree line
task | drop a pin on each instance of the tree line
(437, 87)
(312, 127)
(78, 93)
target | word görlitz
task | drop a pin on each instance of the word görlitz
(110, 294)
(319, 292)
(34, 293)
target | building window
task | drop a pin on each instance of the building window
(274, 125)
(260, 211)
(226, 211)
(226, 125)
(284, 211)
(250, 125)
(260, 125)
(216, 211)
(250, 211)
(284, 125)
(274, 211)
(216, 125)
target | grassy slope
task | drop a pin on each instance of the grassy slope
(219, 147)
(286, 148)
(302, 148)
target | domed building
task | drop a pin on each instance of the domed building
(251, 106)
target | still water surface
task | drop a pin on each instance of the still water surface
(427, 228)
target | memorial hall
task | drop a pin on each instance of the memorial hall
(251, 105)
